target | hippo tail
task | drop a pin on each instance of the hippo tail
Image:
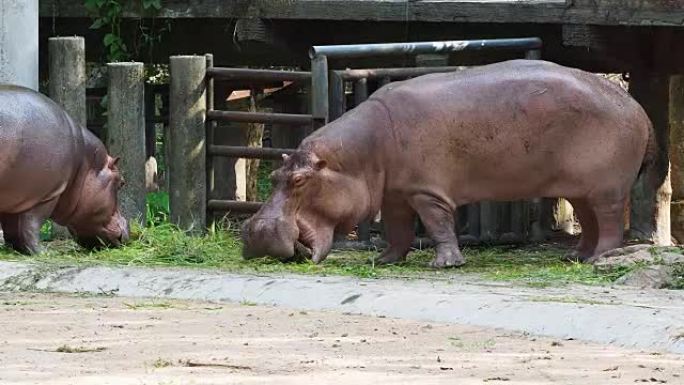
(650, 156)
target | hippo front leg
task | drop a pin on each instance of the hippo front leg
(438, 218)
(22, 231)
(397, 218)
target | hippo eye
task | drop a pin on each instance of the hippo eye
(298, 180)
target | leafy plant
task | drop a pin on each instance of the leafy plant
(108, 15)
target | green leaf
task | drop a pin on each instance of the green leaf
(109, 39)
(98, 23)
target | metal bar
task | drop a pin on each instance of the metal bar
(385, 80)
(248, 152)
(337, 99)
(374, 73)
(360, 91)
(247, 74)
(210, 129)
(233, 206)
(533, 54)
(394, 49)
(319, 92)
(259, 117)
(360, 95)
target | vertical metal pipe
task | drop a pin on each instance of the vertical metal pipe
(210, 126)
(533, 54)
(319, 92)
(337, 102)
(360, 95)
(360, 91)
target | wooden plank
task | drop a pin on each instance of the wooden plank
(601, 12)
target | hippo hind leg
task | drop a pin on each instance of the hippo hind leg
(397, 218)
(438, 218)
(590, 232)
(609, 211)
(22, 231)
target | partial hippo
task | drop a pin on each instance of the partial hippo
(508, 131)
(51, 167)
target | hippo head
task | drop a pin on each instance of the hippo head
(312, 199)
(97, 220)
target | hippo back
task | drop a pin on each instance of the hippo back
(40, 149)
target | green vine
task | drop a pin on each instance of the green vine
(108, 16)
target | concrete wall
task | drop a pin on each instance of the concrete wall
(19, 42)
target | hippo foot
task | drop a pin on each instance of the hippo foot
(447, 256)
(390, 257)
(24, 248)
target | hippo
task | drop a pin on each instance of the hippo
(51, 167)
(512, 130)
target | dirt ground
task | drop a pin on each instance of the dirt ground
(68, 339)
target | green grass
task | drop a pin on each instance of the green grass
(164, 245)
(161, 244)
(264, 187)
(678, 281)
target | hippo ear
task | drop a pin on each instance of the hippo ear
(320, 164)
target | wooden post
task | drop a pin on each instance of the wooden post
(126, 134)
(676, 118)
(67, 86)
(650, 198)
(187, 141)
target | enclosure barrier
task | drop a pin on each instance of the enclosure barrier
(327, 103)
(254, 76)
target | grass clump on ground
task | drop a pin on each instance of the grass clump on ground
(164, 245)
(161, 244)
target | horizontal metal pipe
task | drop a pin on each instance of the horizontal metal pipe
(415, 48)
(248, 152)
(233, 206)
(374, 73)
(257, 75)
(258, 117)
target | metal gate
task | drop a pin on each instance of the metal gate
(213, 116)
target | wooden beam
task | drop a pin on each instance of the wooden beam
(601, 12)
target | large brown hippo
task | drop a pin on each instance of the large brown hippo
(508, 131)
(51, 167)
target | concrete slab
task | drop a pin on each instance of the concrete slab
(645, 319)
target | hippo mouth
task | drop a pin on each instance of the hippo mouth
(304, 244)
(313, 244)
(302, 251)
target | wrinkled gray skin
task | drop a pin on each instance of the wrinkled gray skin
(508, 131)
(50, 167)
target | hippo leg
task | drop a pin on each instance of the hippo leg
(398, 220)
(609, 211)
(589, 236)
(22, 231)
(438, 219)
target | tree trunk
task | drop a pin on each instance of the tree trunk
(255, 135)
